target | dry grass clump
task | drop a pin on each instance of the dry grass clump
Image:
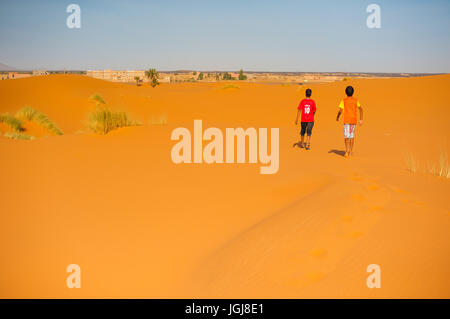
(18, 136)
(411, 163)
(444, 170)
(102, 121)
(29, 114)
(162, 120)
(230, 86)
(11, 121)
(98, 99)
(441, 169)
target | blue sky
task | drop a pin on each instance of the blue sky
(258, 35)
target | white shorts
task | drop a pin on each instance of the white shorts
(349, 130)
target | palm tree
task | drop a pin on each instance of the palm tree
(152, 76)
(137, 79)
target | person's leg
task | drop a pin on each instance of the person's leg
(302, 133)
(352, 139)
(308, 133)
(346, 138)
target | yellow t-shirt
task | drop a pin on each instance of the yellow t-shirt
(341, 105)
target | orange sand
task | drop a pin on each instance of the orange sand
(140, 226)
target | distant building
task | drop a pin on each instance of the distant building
(3, 76)
(116, 75)
(39, 72)
(17, 75)
(121, 75)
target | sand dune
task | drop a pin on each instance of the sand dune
(141, 226)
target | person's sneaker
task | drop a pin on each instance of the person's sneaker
(308, 147)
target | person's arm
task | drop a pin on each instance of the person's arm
(339, 114)
(341, 107)
(296, 119)
(360, 115)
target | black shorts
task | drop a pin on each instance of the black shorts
(306, 128)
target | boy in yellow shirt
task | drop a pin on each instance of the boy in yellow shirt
(349, 107)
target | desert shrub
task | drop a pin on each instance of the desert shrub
(230, 86)
(98, 99)
(242, 76)
(200, 76)
(152, 76)
(102, 120)
(30, 114)
(11, 121)
(18, 136)
(227, 77)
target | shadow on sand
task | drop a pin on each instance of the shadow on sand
(337, 152)
(298, 144)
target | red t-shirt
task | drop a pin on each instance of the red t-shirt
(308, 108)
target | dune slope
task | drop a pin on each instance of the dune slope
(141, 226)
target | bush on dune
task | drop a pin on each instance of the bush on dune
(29, 114)
(102, 120)
(98, 99)
(11, 121)
(18, 136)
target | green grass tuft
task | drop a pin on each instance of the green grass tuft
(97, 98)
(18, 136)
(29, 114)
(103, 121)
(230, 86)
(11, 121)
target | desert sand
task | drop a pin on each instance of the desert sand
(141, 226)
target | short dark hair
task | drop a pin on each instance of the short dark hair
(349, 90)
(308, 92)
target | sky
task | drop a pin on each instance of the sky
(256, 35)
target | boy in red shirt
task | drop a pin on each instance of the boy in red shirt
(307, 107)
(349, 107)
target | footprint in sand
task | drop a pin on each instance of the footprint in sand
(356, 234)
(407, 201)
(347, 219)
(398, 190)
(376, 208)
(315, 276)
(358, 197)
(318, 253)
(373, 187)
